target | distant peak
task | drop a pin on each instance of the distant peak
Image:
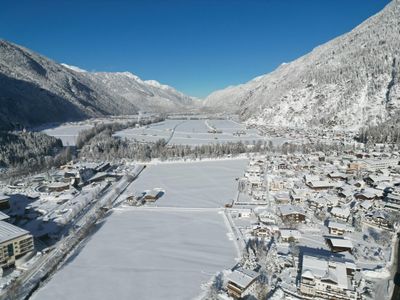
(258, 78)
(74, 68)
(130, 75)
(155, 83)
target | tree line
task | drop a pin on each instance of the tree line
(385, 132)
(104, 146)
(27, 151)
(86, 135)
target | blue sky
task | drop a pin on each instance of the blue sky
(197, 46)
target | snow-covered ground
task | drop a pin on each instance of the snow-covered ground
(166, 251)
(146, 255)
(67, 132)
(195, 184)
(178, 132)
(193, 132)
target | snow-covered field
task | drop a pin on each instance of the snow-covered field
(178, 132)
(165, 251)
(196, 184)
(67, 132)
(192, 132)
(146, 255)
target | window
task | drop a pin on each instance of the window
(10, 250)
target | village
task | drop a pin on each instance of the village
(305, 225)
(317, 226)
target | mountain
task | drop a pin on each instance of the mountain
(36, 90)
(147, 95)
(347, 82)
(73, 68)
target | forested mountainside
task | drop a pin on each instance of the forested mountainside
(352, 80)
(36, 90)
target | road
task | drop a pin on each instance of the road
(173, 132)
(238, 238)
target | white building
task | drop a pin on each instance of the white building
(288, 235)
(338, 228)
(242, 283)
(339, 244)
(14, 243)
(255, 182)
(321, 185)
(253, 171)
(377, 164)
(341, 213)
(322, 278)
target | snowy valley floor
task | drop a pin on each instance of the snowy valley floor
(162, 252)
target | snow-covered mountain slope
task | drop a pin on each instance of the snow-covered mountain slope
(35, 90)
(349, 81)
(73, 68)
(147, 95)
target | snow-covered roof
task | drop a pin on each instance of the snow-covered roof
(378, 214)
(392, 205)
(255, 179)
(282, 196)
(383, 185)
(366, 194)
(321, 184)
(337, 225)
(242, 277)
(340, 242)
(393, 196)
(341, 212)
(4, 197)
(291, 209)
(299, 192)
(3, 216)
(308, 274)
(366, 204)
(377, 192)
(330, 276)
(337, 175)
(347, 192)
(288, 233)
(331, 199)
(9, 232)
(57, 184)
(323, 269)
(98, 175)
(258, 193)
(375, 178)
(309, 178)
(254, 168)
